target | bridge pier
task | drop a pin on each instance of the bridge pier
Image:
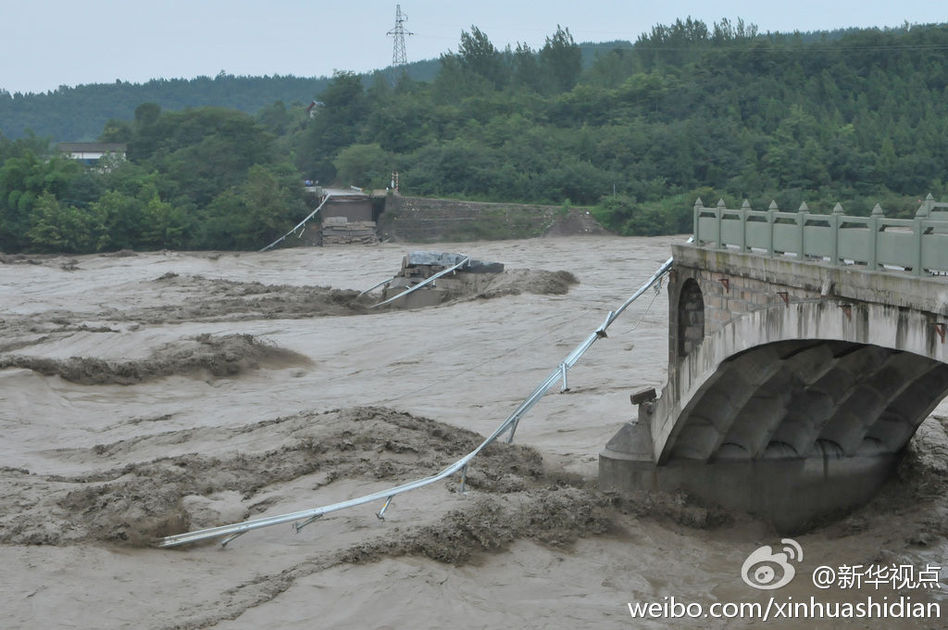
(792, 494)
(793, 384)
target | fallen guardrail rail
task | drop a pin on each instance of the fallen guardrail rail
(376, 286)
(298, 225)
(302, 518)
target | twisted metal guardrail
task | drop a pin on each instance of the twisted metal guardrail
(427, 281)
(302, 518)
(386, 282)
(298, 225)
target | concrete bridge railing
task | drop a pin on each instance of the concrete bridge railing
(919, 245)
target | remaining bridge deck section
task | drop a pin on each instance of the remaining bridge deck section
(804, 351)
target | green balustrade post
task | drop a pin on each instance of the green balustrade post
(718, 217)
(771, 210)
(834, 223)
(876, 216)
(923, 212)
(801, 224)
(699, 206)
(745, 211)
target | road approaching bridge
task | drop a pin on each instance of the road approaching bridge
(804, 351)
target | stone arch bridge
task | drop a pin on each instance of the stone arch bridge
(804, 351)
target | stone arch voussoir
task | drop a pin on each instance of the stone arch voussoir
(861, 377)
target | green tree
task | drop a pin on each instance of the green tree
(147, 114)
(117, 131)
(364, 165)
(276, 118)
(796, 157)
(478, 56)
(335, 124)
(526, 68)
(206, 151)
(623, 215)
(56, 227)
(252, 214)
(672, 45)
(25, 179)
(561, 60)
(122, 215)
(609, 70)
(163, 225)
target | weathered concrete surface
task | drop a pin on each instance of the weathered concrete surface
(443, 260)
(792, 495)
(431, 259)
(419, 265)
(426, 220)
(792, 386)
(848, 282)
(421, 220)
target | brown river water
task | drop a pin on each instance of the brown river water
(146, 394)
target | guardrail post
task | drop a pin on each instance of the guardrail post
(801, 223)
(718, 214)
(771, 210)
(699, 206)
(874, 219)
(745, 211)
(923, 212)
(834, 222)
(381, 513)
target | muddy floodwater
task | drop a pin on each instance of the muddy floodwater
(148, 394)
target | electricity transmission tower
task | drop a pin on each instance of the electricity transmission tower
(399, 57)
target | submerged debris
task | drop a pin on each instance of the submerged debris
(472, 279)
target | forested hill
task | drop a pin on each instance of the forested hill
(78, 114)
(639, 131)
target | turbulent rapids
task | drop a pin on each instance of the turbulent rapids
(150, 394)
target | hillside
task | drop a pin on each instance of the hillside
(80, 113)
(636, 130)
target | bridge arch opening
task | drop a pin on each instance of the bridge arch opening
(690, 317)
(795, 399)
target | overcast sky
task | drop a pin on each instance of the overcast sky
(49, 43)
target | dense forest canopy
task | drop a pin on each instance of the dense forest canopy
(638, 130)
(77, 114)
